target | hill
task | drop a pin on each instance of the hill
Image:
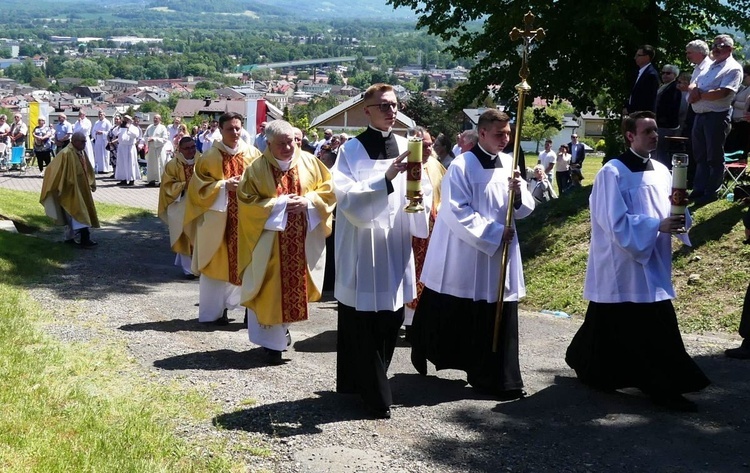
(710, 277)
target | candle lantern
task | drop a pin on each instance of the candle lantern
(679, 196)
(414, 173)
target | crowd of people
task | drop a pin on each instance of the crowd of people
(248, 216)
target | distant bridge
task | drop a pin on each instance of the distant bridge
(304, 62)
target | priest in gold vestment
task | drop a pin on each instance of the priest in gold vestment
(211, 220)
(286, 202)
(66, 195)
(172, 199)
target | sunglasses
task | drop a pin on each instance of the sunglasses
(719, 46)
(385, 106)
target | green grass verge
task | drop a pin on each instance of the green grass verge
(555, 245)
(86, 406)
(24, 207)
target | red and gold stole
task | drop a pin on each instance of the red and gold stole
(232, 166)
(292, 251)
(188, 168)
(419, 247)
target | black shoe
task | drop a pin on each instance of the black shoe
(419, 362)
(88, 244)
(740, 353)
(130, 183)
(675, 402)
(122, 183)
(511, 395)
(245, 321)
(380, 413)
(706, 199)
(288, 338)
(273, 357)
(151, 184)
(223, 320)
(71, 242)
(191, 277)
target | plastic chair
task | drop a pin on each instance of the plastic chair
(18, 158)
(735, 171)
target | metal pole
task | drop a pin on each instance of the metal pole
(523, 88)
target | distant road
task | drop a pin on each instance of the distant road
(305, 62)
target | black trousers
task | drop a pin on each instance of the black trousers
(365, 345)
(43, 159)
(745, 320)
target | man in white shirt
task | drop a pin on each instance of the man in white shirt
(547, 159)
(711, 97)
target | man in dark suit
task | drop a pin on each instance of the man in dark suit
(643, 93)
(577, 155)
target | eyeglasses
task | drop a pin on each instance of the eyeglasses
(719, 45)
(385, 107)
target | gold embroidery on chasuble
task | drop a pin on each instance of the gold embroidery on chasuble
(232, 166)
(188, 173)
(292, 251)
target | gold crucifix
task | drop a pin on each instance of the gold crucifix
(527, 35)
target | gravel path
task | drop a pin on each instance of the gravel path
(127, 289)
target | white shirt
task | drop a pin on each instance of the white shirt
(463, 258)
(562, 162)
(726, 74)
(546, 158)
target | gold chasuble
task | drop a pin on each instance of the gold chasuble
(174, 182)
(211, 214)
(68, 182)
(282, 270)
(435, 172)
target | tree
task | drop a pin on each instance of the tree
(425, 82)
(587, 53)
(334, 78)
(419, 109)
(541, 123)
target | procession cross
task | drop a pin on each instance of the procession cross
(528, 35)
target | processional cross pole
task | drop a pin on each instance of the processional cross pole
(527, 35)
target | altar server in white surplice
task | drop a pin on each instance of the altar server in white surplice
(374, 260)
(454, 320)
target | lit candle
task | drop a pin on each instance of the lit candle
(414, 174)
(679, 197)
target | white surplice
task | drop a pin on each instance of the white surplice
(374, 259)
(463, 259)
(99, 135)
(156, 157)
(127, 156)
(630, 259)
(84, 126)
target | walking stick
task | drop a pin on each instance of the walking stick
(523, 88)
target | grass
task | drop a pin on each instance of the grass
(87, 406)
(24, 207)
(555, 244)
